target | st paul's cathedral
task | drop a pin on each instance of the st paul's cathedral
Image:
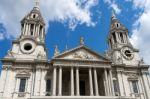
(77, 73)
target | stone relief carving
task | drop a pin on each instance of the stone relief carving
(23, 73)
(132, 76)
(9, 53)
(40, 55)
(82, 56)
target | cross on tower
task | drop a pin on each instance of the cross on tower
(37, 3)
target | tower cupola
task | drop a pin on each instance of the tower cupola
(33, 25)
(118, 33)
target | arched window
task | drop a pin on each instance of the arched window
(121, 37)
(34, 15)
(114, 37)
(31, 29)
(117, 25)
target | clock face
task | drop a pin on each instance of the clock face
(127, 53)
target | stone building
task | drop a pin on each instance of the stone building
(78, 73)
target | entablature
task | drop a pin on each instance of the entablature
(81, 63)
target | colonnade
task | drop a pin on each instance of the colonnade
(93, 81)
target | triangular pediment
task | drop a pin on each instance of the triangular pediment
(81, 53)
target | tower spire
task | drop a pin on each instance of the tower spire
(113, 15)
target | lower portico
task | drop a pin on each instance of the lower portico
(81, 78)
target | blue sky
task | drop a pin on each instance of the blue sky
(68, 20)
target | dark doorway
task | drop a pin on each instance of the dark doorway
(82, 88)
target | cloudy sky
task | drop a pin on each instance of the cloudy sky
(68, 20)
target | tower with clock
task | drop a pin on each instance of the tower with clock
(120, 48)
(76, 73)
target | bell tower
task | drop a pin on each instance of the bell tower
(121, 50)
(118, 34)
(32, 25)
(31, 43)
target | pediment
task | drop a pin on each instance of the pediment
(81, 53)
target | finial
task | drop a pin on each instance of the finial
(113, 15)
(37, 3)
(81, 41)
(56, 51)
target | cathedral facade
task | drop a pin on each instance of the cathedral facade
(78, 73)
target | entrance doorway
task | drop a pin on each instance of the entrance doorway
(82, 87)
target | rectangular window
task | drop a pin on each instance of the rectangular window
(48, 87)
(135, 86)
(22, 85)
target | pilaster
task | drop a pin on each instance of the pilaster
(120, 81)
(146, 84)
(54, 81)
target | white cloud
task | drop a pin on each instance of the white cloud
(71, 12)
(112, 4)
(141, 29)
(1, 36)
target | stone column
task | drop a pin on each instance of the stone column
(77, 82)
(26, 29)
(28, 32)
(146, 84)
(54, 81)
(72, 81)
(96, 82)
(106, 82)
(117, 36)
(60, 81)
(90, 82)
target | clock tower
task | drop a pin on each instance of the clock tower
(120, 48)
